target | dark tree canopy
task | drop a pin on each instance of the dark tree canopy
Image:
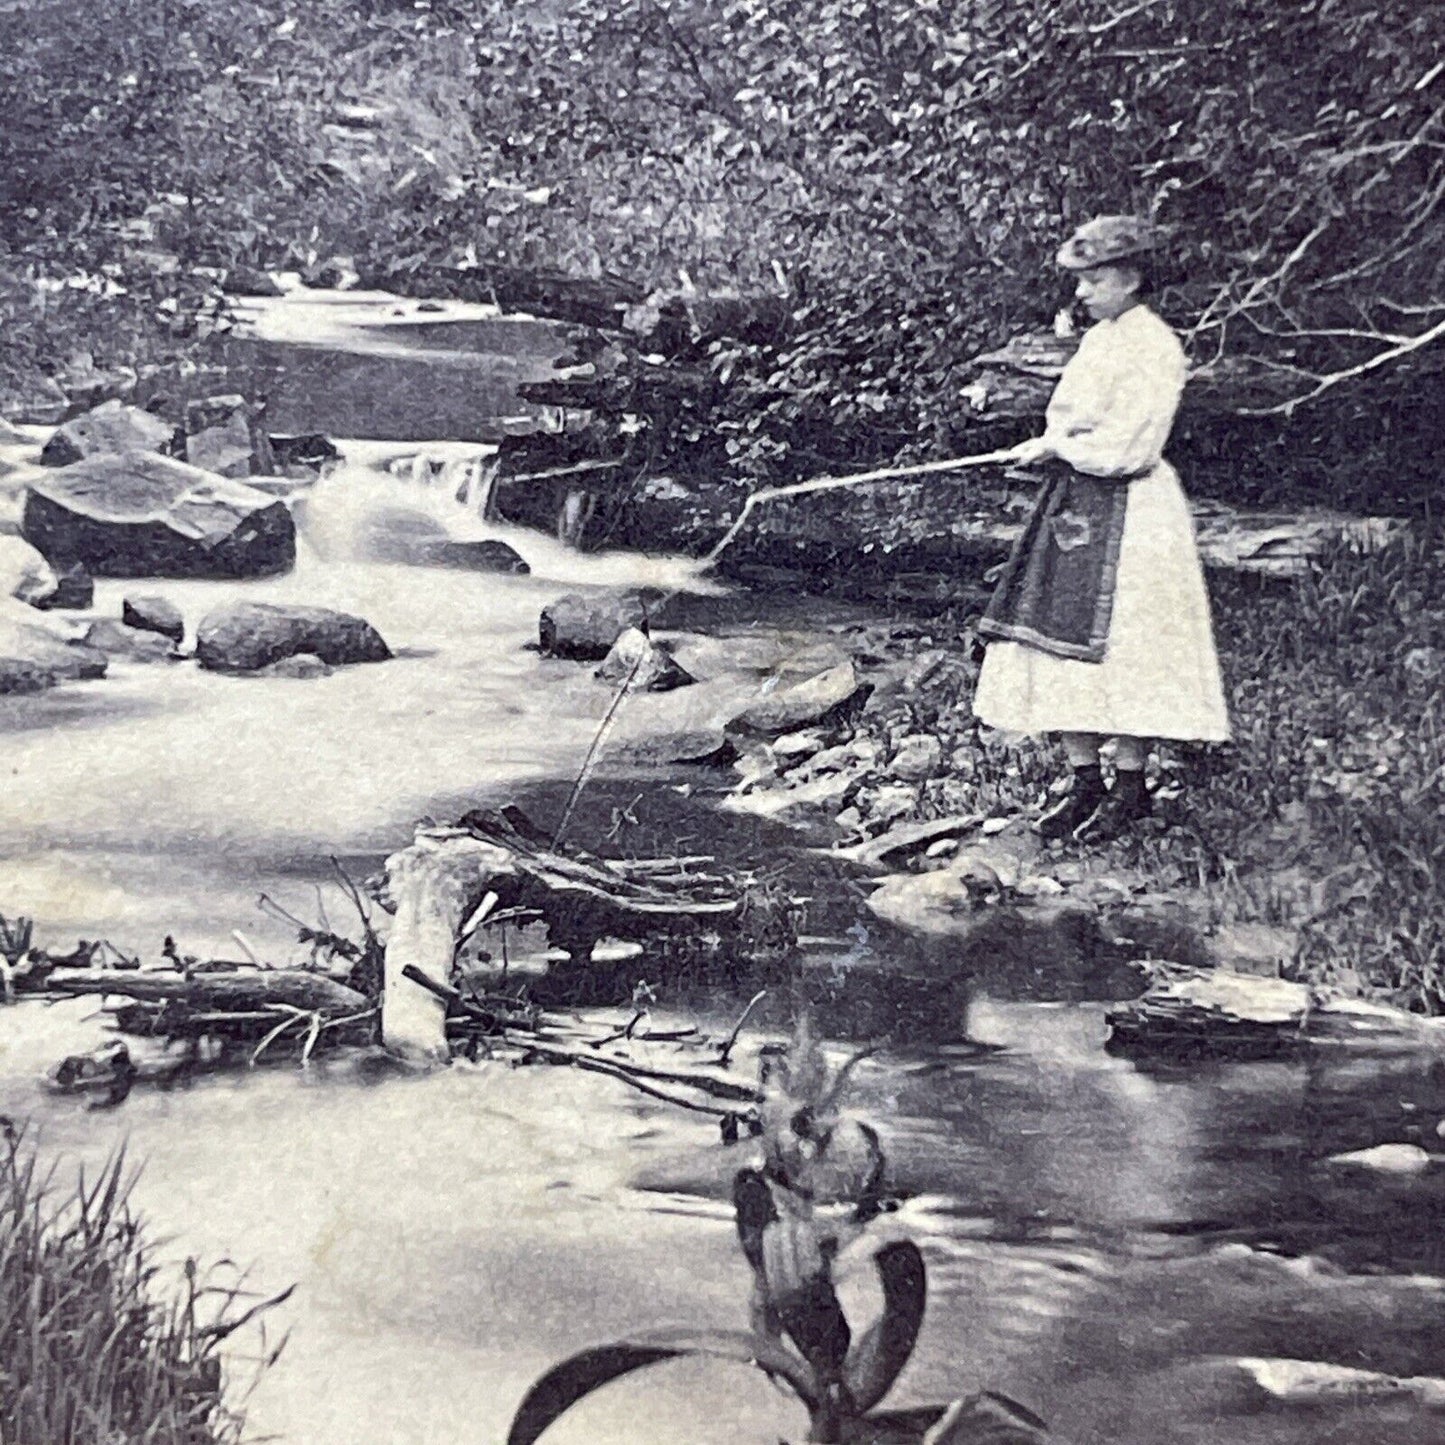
(900, 170)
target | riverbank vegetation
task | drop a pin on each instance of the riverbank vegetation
(92, 1349)
(895, 175)
(1321, 820)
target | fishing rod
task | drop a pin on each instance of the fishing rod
(764, 494)
(857, 479)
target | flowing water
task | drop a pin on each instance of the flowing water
(1099, 1237)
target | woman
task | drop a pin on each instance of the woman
(1100, 625)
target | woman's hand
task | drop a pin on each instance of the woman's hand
(1035, 449)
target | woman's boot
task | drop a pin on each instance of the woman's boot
(1085, 796)
(1124, 804)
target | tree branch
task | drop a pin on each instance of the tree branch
(1334, 378)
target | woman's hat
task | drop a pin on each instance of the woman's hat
(1107, 240)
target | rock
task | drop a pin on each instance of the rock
(110, 427)
(32, 657)
(798, 804)
(962, 915)
(932, 904)
(37, 399)
(1397, 1159)
(135, 644)
(302, 457)
(642, 664)
(924, 668)
(1103, 892)
(247, 636)
(74, 590)
(24, 574)
(917, 758)
(1423, 664)
(1038, 885)
(250, 281)
(488, 554)
(794, 748)
(584, 627)
(828, 697)
(416, 539)
(890, 802)
(302, 666)
(143, 515)
(154, 614)
(224, 435)
(333, 273)
(861, 750)
(700, 747)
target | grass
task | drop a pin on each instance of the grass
(90, 1351)
(1326, 814)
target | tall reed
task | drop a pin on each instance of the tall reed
(92, 1350)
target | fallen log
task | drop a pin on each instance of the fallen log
(1015, 380)
(1192, 1013)
(236, 993)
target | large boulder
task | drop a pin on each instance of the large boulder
(585, 626)
(224, 435)
(141, 515)
(24, 574)
(110, 427)
(154, 614)
(828, 697)
(642, 664)
(32, 657)
(247, 636)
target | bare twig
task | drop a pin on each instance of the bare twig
(726, 1052)
(1334, 378)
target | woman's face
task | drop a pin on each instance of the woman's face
(1107, 292)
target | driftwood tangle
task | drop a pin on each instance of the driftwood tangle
(437, 885)
(625, 890)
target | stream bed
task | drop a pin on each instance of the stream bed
(1100, 1238)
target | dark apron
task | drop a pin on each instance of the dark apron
(1056, 593)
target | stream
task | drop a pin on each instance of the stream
(1101, 1239)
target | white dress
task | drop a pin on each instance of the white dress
(1110, 415)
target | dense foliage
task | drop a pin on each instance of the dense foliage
(899, 170)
